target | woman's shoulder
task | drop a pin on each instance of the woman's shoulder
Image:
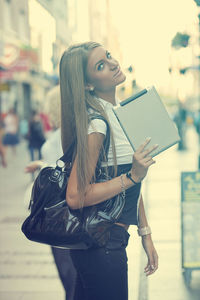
(96, 122)
(91, 111)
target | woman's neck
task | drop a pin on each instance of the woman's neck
(107, 96)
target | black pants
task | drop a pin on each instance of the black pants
(66, 270)
(102, 272)
(35, 153)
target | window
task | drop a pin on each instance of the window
(22, 25)
(7, 14)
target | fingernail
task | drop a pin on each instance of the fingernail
(148, 138)
(152, 266)
(156, 145)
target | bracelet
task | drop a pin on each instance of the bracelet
(144, 231)
(128, 175)
(122, 186)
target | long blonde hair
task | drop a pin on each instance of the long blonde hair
(75, 101)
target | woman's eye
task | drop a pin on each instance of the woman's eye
(100, 67)
(109, 55)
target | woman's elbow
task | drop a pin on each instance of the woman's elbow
(73, 200)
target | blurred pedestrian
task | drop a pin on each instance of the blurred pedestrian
(11, 124)
(89, 76)
(45, 121)
(197, 121)
(51, 151)
(2, 156)
(35, 136)
(2, 149)
(180, 120)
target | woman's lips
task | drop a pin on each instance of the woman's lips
(118, 72)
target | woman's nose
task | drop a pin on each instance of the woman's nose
(113, 64)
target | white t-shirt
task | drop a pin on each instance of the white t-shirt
(124, 151)
(52, 149)
(10, 122)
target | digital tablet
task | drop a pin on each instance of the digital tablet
(144, 115)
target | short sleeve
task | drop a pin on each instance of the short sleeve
(97, 125)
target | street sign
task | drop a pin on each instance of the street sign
(190, 196)
(190, 223)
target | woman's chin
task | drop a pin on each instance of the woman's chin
(121, 78)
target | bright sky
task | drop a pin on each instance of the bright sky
(146, 28)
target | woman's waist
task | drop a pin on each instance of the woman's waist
(125, 226)
(121, 160)
(121, 168)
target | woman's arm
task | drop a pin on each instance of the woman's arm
(142, 215)
(99, 192)
(95, 193)
(33, 166)
(152, 264)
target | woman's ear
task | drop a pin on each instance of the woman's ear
(89, 87)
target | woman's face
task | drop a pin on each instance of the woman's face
(103, 71)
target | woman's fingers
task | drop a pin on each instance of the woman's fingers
(152, 264)
(143, 145)
(32, 167)
(148, 151)
(149, 163)
(142, 160)
(149, 269)
(145, 152)
(147, 159)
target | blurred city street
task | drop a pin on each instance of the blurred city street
(151, 51)
(27, 270)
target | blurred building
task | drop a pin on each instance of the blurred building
(184, 62)
(59, 11)
(102, 28)
(92, 20)
(33, 36)
(78, 20)
(20, 68)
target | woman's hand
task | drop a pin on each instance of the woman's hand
(142, 161)
(33, 166)
(152, 264)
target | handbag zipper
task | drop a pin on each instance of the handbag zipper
(53, 206)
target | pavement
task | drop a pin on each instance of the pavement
(27, 270)
(162, 193)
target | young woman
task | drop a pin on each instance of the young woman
(88, 79)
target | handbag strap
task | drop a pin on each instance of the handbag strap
(106, 143)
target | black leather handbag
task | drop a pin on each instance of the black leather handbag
(51, 220)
